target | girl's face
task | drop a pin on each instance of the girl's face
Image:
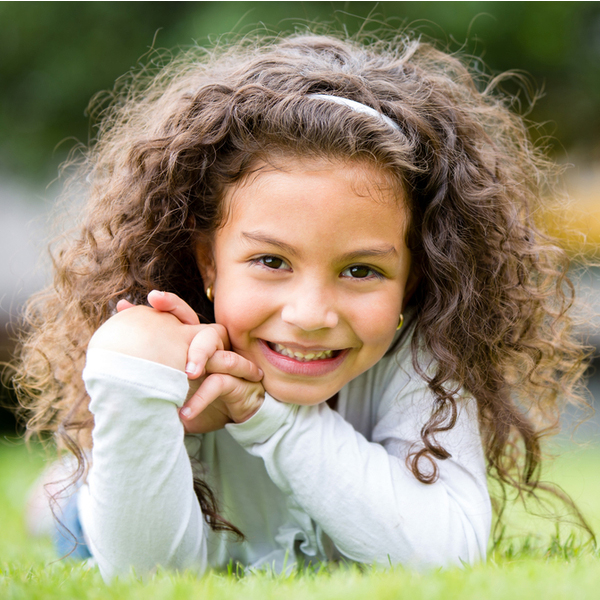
(310, 273)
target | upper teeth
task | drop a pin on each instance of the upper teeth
(301, 356)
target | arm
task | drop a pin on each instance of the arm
(139, 508)
(362, 494)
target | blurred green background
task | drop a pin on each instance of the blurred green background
(54, 56)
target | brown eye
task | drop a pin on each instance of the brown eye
(273, 262)
(359, 271)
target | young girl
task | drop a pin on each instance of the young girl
(353, 318)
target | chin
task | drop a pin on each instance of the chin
(294, 393)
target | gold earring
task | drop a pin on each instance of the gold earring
(209, 293)
(400, 322)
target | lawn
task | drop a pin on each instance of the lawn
(533, 561)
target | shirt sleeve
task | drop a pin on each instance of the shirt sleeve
(138, 508)
(362, 494)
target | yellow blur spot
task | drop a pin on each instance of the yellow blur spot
(577, 223)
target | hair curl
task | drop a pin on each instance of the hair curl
(493, 299)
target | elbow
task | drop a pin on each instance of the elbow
(116, 564)
(453, 539)
(464, 543)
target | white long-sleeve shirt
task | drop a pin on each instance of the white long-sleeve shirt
(301, 482)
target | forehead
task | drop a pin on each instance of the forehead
(326, 203)
(298, 183)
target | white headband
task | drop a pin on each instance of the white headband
(356, 106)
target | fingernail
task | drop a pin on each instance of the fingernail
(191, 368)
(186, 412)
(260, 372)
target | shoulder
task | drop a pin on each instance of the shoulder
(385, 386)
(395, 371)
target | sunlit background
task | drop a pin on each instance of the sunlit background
(54, 56)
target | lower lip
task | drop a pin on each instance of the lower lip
(312, 368)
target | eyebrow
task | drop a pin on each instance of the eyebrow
(263, 238)
(383, 252)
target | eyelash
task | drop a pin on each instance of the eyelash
(261, 262)
(373, 272)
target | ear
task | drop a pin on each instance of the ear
(412, 283)
(205, 261)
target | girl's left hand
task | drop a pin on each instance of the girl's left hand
(229, 389)
(229, 385)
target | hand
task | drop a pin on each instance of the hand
(146, 333)
(163, 337)
(229, 385)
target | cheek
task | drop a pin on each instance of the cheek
(241, 311)
(376, 322)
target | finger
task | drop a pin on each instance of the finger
(124, 305)
(206, 342)
(172, 303)
(212, 387)
(240, 399)
(212, 418)
(231, 363)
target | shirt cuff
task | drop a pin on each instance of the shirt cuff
(160, 380)
(263, 423)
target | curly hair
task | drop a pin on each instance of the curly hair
(492, 305)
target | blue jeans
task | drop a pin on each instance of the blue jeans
(68, 534)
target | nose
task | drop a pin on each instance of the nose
(310, 308)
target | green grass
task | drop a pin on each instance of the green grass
(533, 560)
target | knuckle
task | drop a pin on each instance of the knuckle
(140, 316)
(230, 360)
(219, 329)
(213, 336)
(221, 332)
(242, 391)
(196, 399)
(218, 379)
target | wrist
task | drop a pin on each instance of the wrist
(270, 418)
(252, 407)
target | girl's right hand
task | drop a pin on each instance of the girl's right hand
(230, 383)
(170, 333)
(160, 336)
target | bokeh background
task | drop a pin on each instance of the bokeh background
(54, 56)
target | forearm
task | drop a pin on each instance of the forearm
(139, 508)
(364, 498)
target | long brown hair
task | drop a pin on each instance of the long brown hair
(492, 305)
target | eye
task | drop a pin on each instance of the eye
(360, 272)
(272, 262)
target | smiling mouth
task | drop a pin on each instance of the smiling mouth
(309, 356)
